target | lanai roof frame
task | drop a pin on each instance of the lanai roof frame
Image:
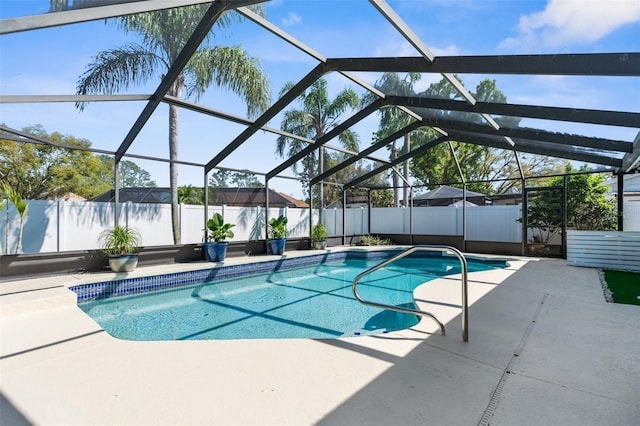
(627, 63)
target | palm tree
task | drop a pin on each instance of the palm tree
(317, 116)
(21, 206)
(393, 119)
(190, 195)
(164, 33)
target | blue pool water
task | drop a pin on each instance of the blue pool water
(307, 302)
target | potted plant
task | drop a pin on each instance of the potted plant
(319, 236)
(277, 234)
(219, 232)
(121, 245)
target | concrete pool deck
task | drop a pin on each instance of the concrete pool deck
(545, 348)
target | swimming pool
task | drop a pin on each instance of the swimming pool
(311, 301)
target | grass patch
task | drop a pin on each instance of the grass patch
(624, 286)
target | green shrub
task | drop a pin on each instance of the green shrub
(370, 240)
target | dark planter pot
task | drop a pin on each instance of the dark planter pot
(220, 250)
(123, 263)
(209, 252)
(277, 246)
(216, 252)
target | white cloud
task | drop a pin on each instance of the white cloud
(292, 18)
(396, 45)
(566, 22)
(450, 50)
(33, 83)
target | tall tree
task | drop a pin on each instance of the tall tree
(380, 196)
(131, 175)
(164, 33)
(477, 162)
(59, 5)
(317, 116)
(222, 178)
(226, 179)
(190, 195)
(393, 119)
(46, 171)
(587, 206)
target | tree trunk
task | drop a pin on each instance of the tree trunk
(320, 185)
(173, 173)
(394, 177)
(18, 243)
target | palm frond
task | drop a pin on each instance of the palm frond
(231, 68)
(349, 139)
(116, 69)
(287, 86)
(345, 100)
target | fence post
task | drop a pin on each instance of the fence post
(180, 221)
(59, 208)
(464, 217)
(127, 207)
(344, 216)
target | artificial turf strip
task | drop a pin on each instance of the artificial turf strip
(624, 286)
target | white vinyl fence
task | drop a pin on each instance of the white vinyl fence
(484, 223)
(52, 226)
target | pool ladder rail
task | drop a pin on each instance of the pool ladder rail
(438, 248)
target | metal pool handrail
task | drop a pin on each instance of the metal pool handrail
(443, 249)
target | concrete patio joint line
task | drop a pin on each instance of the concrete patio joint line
(496, 395)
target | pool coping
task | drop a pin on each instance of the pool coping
(121, 286)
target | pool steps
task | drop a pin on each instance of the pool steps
(30, 301)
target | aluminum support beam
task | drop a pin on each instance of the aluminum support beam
(455, 158)
(206, 206)
(395, 20)
(192, 106)
(309, 51)
(632, 160)
(204, 26)
(532, 134)
(577, 115)
(56, 19)
(37, 140)
(533, 147)
(116, 193)
(419, 45)
(520, 170)
(274, 29)
(587, 64)
(278, 106)
(360, 115)
(344, 215)
(620, 200)
(364, 153)
(32, 99)
(411, 154)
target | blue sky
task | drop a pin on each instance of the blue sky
(50, 61)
